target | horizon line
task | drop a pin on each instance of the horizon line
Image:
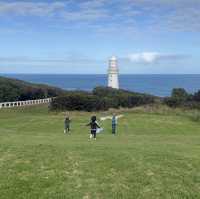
(99, 74)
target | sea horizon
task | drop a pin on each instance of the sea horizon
(2, 74)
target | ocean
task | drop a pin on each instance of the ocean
(160, 85)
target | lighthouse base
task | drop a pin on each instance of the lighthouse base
(113, 81)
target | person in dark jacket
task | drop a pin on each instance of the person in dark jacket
(93, 125)
(67, 125)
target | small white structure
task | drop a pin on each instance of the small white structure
(25, 103)
(113, 72)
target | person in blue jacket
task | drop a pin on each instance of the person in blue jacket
(114, 124)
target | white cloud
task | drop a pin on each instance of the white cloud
(144, 57)
(155, 15)
(153, 57)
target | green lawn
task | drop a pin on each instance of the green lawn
(152, 156)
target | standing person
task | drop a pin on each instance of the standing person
(67, 125)
(114, 124)
(93, 125)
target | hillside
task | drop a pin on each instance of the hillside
(14, 90)
(153, 155)
(101, 98)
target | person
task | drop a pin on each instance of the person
(93, 125)
(114, 124)
(67, 125)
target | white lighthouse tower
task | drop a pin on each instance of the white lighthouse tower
(113, 72)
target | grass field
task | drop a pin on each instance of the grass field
(154, 155)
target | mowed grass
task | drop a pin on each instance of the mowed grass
(152, 156)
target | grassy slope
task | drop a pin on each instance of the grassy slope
(23, 84)
(15, 90)
(153, 156)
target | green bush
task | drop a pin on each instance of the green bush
(196, 96)
(179, 97)
(102, 98)
(79, 101)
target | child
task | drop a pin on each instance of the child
(67, 125)
(114, 124)
(93, 125)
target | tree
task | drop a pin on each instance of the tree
(196, 96)
(180, 93)
(179, 97)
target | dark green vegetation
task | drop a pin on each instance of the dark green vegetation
(180, 98)
(17, 90)
(155, 154)
(101, 98)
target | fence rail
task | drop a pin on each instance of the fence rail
(24, 103)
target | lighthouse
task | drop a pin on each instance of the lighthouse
(113, 72)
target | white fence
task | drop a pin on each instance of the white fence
(24, 103)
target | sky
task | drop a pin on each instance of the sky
(79, 36)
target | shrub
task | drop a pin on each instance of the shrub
(100, 99)
(178, 98)
(179, 93)
(171, 102)
(123, 98)
(196, 96)
(79, 101)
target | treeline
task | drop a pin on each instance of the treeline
(181, 98)
(101, 98)
(17, 90)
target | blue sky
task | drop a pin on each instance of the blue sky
(78, 36)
